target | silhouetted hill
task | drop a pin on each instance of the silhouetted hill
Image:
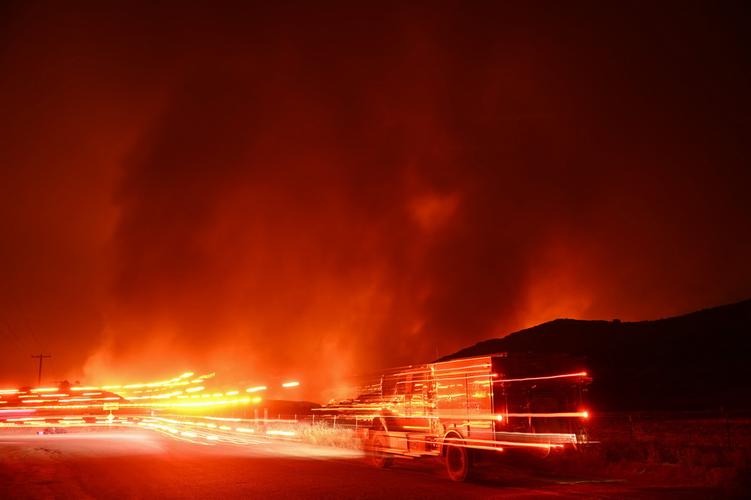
(696, 361)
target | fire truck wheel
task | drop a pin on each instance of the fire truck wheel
(380, 458)
(458, 462)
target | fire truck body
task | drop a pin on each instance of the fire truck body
(489, 403)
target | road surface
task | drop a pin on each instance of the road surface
(145, 464)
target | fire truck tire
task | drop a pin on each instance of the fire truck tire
(378, 457)
(458, 460)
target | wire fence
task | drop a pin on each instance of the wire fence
(698, 428)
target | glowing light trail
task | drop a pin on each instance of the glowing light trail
(549, 377)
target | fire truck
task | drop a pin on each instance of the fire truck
(460, 409)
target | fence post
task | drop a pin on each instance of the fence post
(631, 427)
(724, 415)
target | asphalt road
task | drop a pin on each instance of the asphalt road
(145, 464)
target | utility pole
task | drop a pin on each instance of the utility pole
(41, 357)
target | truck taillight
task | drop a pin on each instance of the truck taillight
(500, 423)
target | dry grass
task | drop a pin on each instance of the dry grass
(671, 448)
(320, 433)
(325, 435)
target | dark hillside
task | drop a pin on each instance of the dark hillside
(693, 362)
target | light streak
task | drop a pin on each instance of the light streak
(143, 395)
(280, 433)
(580, 414)
(432, 387)
(549, 377)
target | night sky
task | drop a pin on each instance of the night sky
(314, 190)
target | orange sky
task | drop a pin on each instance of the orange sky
(307, 192)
